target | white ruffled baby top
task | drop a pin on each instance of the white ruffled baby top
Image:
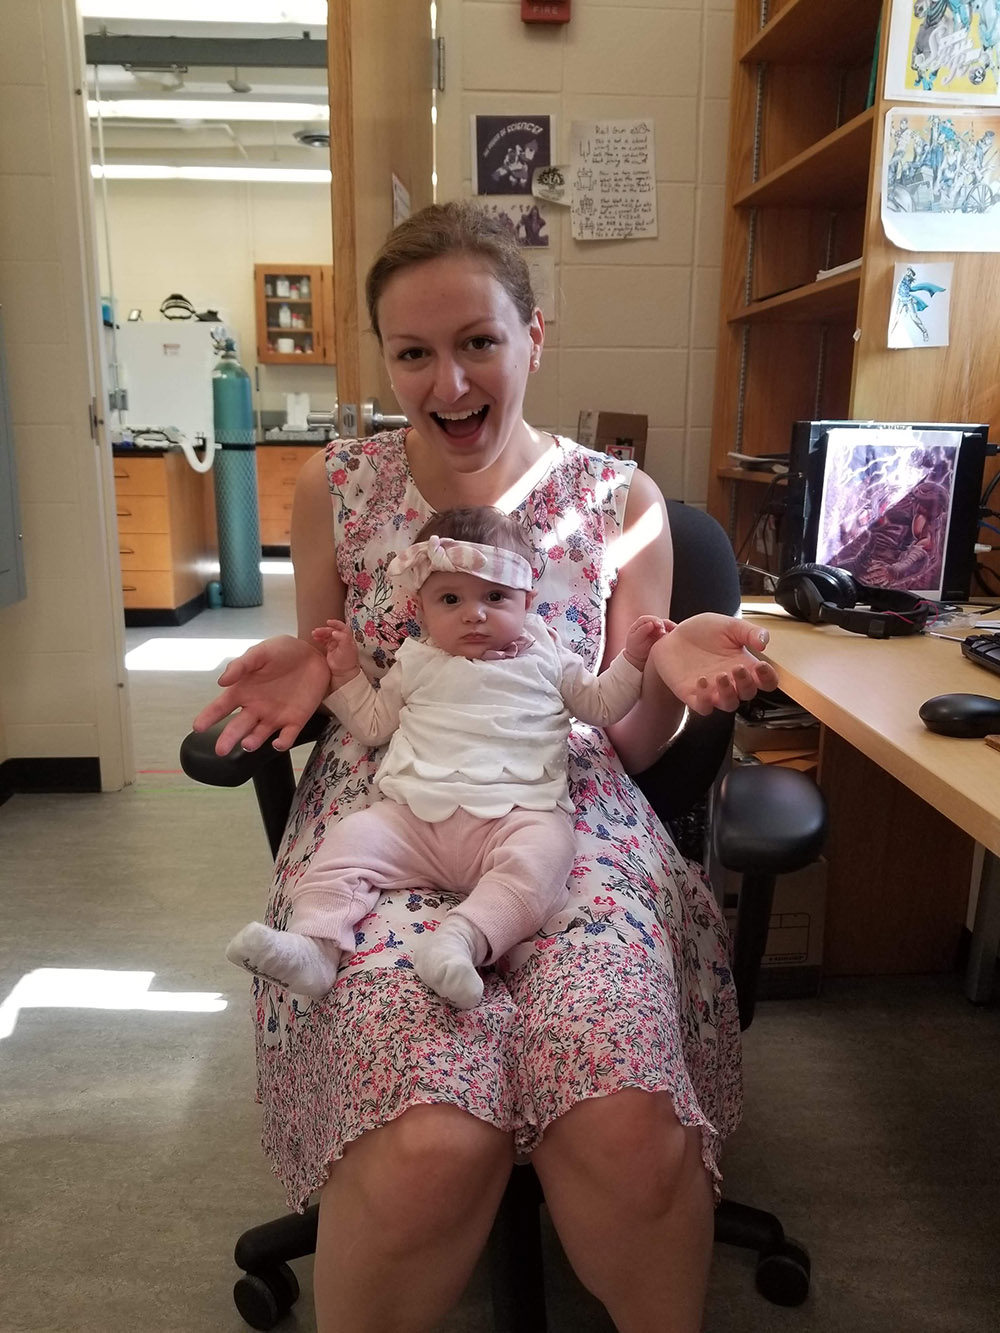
(486, 736)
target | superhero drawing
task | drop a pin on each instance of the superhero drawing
(911, 306)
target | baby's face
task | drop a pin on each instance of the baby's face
(466, 616)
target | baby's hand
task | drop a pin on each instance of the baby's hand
(641, 636)
(336, 640)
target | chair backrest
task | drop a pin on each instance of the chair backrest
(706, 578)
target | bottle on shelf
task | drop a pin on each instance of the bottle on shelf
(284, 317)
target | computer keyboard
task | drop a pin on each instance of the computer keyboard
(984, 650)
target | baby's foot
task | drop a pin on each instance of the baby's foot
(301, 964)
(446, 960)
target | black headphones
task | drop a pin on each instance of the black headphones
(824, 595)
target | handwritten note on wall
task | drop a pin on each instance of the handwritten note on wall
(612, 180)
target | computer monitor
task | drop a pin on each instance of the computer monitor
(896, 504)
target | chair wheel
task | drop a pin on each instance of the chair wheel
(286, 1272)
(265, 1298)
(783, 1274)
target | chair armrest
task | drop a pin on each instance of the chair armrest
(768, 820)
(200, 762)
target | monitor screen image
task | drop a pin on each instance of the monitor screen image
(895, 504)
(886, 506)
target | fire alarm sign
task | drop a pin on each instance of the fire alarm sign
(545, 11)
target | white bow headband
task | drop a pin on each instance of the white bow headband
(494, 564)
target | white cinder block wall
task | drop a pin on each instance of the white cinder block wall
(636, 320)
(60, 649)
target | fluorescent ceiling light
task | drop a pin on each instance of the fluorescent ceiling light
(310, 12)
(278, 175)
(229, 108)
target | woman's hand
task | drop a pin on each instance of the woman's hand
(707, 662)
(277, 686)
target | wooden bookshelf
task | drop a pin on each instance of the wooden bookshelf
(828, 174)
(803, 32)
(830, 299)
(803, 195)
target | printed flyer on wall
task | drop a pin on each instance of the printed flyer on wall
(507, 150)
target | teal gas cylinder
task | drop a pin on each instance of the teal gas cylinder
(235, 471)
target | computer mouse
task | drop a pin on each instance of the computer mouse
(965, 715)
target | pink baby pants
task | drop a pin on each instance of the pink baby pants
(514, 870)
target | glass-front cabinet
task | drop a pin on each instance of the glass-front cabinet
(294, 314)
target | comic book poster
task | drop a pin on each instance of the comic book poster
(506, 151)
(944, 51)
(941, 178)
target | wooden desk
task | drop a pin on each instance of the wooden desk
(867, 692)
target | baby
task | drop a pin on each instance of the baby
(474, 780)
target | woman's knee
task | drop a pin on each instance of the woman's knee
(629, 1145)
(431, 1166)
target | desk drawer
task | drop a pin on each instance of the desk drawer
(140, 476)
(145, 550)
(147, 588)
(275, 520)
(142, 513)
(278, 468)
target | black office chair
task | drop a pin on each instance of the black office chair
(764, 822)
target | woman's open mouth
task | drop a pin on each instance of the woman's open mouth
(461, 425)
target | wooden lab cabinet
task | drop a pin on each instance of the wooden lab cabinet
(294, 309)
(163, 543)
(278, 468)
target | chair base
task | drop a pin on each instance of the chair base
(269, 1288)
(783, 1266)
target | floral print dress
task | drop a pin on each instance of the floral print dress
(629, 987)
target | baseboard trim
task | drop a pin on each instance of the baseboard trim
(144, 618)
(49, 775)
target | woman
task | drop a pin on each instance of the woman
(609, 1047)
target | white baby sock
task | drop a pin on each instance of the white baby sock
(446, 959)
(301, 964)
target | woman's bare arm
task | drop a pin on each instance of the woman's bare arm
(319, 590)
(706, 662)
(277, 685)
(644, 581)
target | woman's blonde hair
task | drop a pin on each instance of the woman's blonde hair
(458, 227)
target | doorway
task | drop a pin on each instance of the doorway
(210, 144)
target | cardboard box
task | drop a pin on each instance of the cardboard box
(622, 434)
(792, 965)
